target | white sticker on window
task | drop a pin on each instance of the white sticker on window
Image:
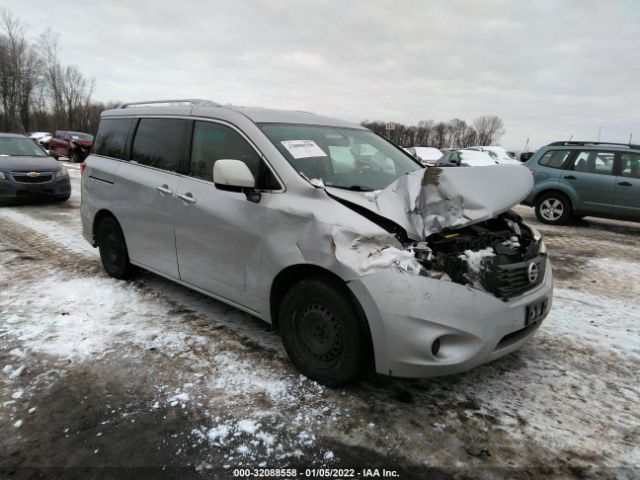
(303, 148)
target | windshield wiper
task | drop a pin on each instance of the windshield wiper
(354, 188)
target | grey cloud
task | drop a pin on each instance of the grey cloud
(550, 69)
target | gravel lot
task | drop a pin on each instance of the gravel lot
(147, 379)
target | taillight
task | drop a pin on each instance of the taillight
(533, 172)
(82, 167)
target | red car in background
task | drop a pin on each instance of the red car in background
(73, 145)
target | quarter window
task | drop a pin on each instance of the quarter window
(630, 165)
(594, 161)
(212, 142)
(112, 137)
(158, 143)
(554, 158)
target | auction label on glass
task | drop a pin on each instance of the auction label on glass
(303, 148)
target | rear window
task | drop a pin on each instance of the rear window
(159, 143)
(554, 158)
(112, 137)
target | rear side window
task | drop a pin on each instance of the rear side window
(554, 158)
(111, 139)
(213, 141)
(159, 143)
(594, 162)
(630, 165)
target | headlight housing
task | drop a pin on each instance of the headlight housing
(2, 176)
(62, 173)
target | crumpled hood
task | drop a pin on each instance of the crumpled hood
(430, 200)
(27, 164)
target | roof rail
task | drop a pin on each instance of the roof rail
(196, 102)
(586, 144)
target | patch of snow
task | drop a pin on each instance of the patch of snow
(18, 424)
(475, 259)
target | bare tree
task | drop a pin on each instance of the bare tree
(489, 128)
(20, 73)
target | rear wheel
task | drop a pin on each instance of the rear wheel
(113, 249)
(553, 209)
(322, 332)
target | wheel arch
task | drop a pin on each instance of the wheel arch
(97, 219)
(555, 190)
(293, 274)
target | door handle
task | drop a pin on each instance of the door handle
(570, 177)
(625, 184)
(164, 189)
(187, 198)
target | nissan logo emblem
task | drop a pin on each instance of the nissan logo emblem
(532, 272)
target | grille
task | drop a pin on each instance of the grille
(513, 279)
(23, 177)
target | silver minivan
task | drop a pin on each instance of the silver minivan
(356, 253)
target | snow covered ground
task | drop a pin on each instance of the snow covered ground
(98, 373)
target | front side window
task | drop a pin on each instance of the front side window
(630, 165)
(212, 142)
(112, 137)
(340, 157)
(20, 147)
(159, 143)
(594, 162)
(554, 158)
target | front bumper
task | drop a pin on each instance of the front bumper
(407, 313)
(16, 192)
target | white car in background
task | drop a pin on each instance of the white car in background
(43, 138)
(498, 153)
(426, 155)
(466, 157)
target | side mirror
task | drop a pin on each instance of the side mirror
(233, 173)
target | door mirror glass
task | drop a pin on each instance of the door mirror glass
(233, 173)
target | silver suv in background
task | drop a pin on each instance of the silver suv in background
(340, 239)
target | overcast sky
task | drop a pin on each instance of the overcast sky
(550, 69)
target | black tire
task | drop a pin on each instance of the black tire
(322, 332)
(113, 249)
(553, 209)
(74, 157)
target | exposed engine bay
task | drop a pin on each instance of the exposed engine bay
(495, 255)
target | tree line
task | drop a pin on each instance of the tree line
(37, 91)
(485, 130)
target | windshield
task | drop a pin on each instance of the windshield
(340, 157)
(81, 136)
(20, 147)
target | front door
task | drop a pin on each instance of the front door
(219, 237)
(591, 177)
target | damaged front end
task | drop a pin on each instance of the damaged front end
(502, 256)
(453, 224)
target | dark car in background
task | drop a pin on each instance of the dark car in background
(577, 179)
(73, 145)
(28, 173)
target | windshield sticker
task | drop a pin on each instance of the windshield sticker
(303, 148)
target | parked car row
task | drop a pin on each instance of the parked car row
(65, 143)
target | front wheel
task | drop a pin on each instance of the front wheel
(322, 332)
(113, 249)
(74, 157)
(553, 209)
